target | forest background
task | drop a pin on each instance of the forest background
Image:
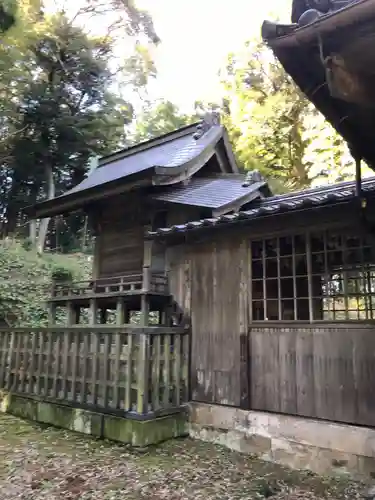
(80, 80)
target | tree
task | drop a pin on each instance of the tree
(79, 95)
(67, 114)
(160, 119)
(273, 126)
(8, 12)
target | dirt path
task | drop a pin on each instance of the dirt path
(46, 463)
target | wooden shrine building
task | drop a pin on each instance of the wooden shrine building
(282, 303)
(275, 295)
(120, 342)
(183, 176)
(206, 288)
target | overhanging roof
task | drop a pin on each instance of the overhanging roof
(161, 161)
(220, 193)
(274, 205)
(299, 51)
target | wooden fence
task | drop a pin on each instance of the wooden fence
(116, 369)
(321, 371)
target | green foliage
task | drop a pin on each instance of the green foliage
(8, 12)
(62, 274)
(160, 119)
(26, 280)
(139, 68)
(60, 103)
(274, 128)
(67, 114)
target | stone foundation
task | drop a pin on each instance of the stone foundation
(134, 432)
(321, 446)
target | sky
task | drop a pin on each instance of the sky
(196, 36)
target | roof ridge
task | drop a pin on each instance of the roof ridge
(151, 143)
(319, 189)
(201, 128)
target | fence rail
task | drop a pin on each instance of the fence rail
(140, 370)
(114, 285)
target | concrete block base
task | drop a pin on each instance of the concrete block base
(133, 432)
(320, 446)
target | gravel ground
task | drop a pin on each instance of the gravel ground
(38, 462)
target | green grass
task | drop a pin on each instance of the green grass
(38, 462)
(25, 281)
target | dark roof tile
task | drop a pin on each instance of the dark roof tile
(173, 153)
(276, 204)
(213, 192)
(157, 158)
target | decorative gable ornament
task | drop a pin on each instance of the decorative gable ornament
(252, 177)
(210, 120)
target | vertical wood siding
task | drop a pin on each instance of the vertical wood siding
(212, 287)
(121, 238)
(319, 370)
(325, 371)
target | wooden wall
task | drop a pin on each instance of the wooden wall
(322, 371)
(122, 223)
(120, 243)
(211, 282)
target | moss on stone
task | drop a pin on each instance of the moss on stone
(134, 432)
(22, 407)
(118, 429)
(4, 401)
(81, 421)
(59, 416)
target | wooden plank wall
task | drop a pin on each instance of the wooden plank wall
(212, 287)
(325, 371)
(121, 239)
(179, 273)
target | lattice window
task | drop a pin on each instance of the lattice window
(313, 276)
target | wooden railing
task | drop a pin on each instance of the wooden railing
(116, 285)
(116, 369)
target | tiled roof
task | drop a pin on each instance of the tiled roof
(213, 192)
(141, 161)
(276, 204)
(172, 153)
(159, 161)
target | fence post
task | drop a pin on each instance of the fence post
(143, 360)
(8, 376)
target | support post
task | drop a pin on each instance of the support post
(51, 314)
(103, 316)
(147, 261)
(93, 312)
(95, 346)
(77, 314)
(120, 311)
(143, 360)
(309, 277)
(146, 285)
(70, 316)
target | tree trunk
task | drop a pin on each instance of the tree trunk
(43, 227)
